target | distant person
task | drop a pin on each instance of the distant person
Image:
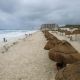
(4, 39)
(26, 35)
(30, 34)
(70, 38)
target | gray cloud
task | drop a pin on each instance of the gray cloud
(28, 14)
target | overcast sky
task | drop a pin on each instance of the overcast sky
(28, 14)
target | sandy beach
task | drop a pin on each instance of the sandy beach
(27, 60)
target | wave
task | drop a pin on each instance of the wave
(8, 34)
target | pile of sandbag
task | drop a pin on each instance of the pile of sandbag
(51, 44)
(62, 52)
(48, 35)
(71, 72)
(52, 40)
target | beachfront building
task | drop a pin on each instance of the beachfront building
(49, 27)
(70, 27)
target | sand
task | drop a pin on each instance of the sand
(27, 60)
(74, 43)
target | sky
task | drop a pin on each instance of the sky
(30, 14)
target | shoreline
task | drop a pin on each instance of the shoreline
(4, 46)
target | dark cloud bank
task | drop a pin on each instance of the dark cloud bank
(30, 14)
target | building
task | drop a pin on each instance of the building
(70, 27)
(49, 27)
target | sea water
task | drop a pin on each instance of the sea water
(13, 34)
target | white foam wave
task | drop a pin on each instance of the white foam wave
(14, 34)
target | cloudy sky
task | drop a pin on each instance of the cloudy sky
(30, 14)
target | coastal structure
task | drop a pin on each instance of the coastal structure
(49, 27)
(70, 27)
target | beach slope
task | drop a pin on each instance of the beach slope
(27, 60)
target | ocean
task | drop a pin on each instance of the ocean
(12, 34)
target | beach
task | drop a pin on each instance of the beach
(27, 60)
(9, 37)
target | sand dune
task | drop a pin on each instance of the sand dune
(27, 60)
